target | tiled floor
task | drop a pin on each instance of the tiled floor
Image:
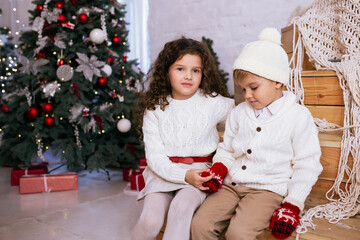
(99, 209)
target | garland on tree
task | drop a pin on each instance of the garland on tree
(75, 90)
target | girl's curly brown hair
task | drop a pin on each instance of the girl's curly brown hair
(159, 87)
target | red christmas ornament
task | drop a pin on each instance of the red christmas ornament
(4, 108)
(59, 5)
(102, 81)
(32, 113)
(61, 18)
(110, 60)
(47, 107)
(83, 18)
(40, 55)
(60, 62)
(124, 58)
(116, 40)
(39, 7)
(49, 121)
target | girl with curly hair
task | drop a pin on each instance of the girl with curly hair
(184, 103)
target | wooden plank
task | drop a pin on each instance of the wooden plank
(330, 160)
(287, 35)
(324, 90)
(318, 73)
(333, 114)
(330, 139)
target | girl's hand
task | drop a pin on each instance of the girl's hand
(193, 176)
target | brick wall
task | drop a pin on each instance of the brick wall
(229, 23)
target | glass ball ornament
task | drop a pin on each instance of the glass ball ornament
(123, 125)
(97, 36)
(47, 107)
(116, 40)
(83, 18)
(102, 81)
(32, 113)
(49, 121)
(61, 18)
(4, 108)
(107, 70)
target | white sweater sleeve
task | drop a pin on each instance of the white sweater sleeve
(225, 151)
(156, 157)
(306, 161)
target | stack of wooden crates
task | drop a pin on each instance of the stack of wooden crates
(323, 96)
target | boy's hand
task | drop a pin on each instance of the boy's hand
(194, 177)
(219, 171)
(284, 221)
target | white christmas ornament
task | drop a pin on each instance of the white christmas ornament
(107, 70)
(123, 125)
(97, 35)
(64, 73)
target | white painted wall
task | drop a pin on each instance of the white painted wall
(229, 23)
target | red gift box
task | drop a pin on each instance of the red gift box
(17, 172)
(128, 171)
(48, 182)
(137, 180)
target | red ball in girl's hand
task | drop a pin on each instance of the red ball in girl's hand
(83, 18)
(49, 121)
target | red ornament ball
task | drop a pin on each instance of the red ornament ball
(124, 58)
(32, 113)
(39, 7)
(102, 81)
(59, 5)
(47, 107)
(40, 55)
(62, 18)
(60, 62)
(110, 60)
(83, 18)
(49, 121)
(4, 108)
(116, 40)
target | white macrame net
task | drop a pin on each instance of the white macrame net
(329, 32)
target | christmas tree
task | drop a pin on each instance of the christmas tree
(224, 75)
(75, 90)
(8, 61)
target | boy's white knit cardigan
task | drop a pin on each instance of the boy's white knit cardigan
(281, 154)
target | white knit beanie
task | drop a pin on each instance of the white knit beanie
(265, 57)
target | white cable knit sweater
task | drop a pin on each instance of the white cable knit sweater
(185, 128)
(281, 154)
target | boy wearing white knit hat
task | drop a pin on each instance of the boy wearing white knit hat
(271, 152)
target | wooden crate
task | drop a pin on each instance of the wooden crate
(287, 35)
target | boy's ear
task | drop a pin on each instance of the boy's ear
(278, 85)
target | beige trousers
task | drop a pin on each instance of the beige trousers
(245, 211)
